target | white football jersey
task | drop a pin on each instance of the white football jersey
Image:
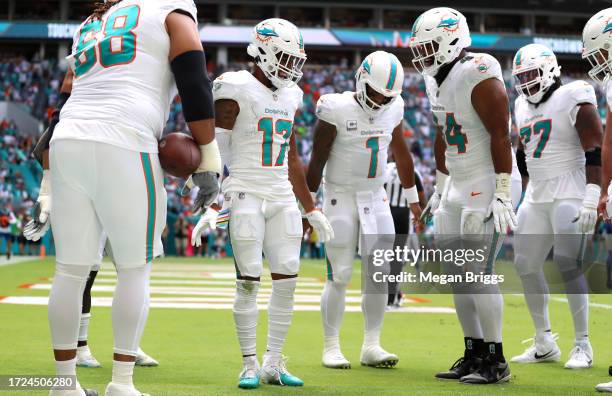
(259, 141)
(123, 84)
(554, 154)
(358, 156)
(468, 144)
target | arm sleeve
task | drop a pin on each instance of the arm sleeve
(482, 67)
(582, 93)
(187, 7)
(325, 111)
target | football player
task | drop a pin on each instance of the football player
(128, 58)
(35, 230)
(597, 42)
(559, 156)
(470, 106)
(351, 141)
(254, 123)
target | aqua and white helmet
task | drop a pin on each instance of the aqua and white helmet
(383, 73)
(278, 49)
(597, 44)
(534, 69)
(438, 36)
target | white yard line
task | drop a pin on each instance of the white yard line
(157, 302)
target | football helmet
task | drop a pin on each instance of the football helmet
(278, 49)
(534, 69)
(383, 73)
(597, 43)
(438, 36)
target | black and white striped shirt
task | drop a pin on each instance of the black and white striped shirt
(393, 185)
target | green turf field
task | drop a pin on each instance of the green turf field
(199, 354)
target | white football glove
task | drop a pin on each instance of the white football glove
(322, 226)
(38, 226)
(207, 220)
(587, 215)
(500, 208)
(436, 197)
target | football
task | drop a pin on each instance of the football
(179, 155)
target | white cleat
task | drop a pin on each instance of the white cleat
(581, 356)
(333, 358)
(543, 349)
(144, 360)
(73, 392)
(274, 371)
(604, 387)
(85, 358)
(375, 356)
(113, 389)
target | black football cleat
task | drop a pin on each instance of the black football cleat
(490, 371)
(462, 367)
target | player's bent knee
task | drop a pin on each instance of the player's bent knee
(474, 224)
(72, 271)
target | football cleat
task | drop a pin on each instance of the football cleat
(85, 358)
(333, 358)
(604, 387)
(544, 348)
(74, 392)
(114, 389)
(144, 360)
(274, 372)
(462, 367)
(490, 371)
(375, 356)
(249, 377)
(581, 356)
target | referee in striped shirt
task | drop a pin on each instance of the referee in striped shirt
(402, 219)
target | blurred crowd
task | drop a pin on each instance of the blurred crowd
(35, 85)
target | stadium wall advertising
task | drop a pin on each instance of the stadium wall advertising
(214, 34)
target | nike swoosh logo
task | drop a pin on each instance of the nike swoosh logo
(473, 194)
(542, 356)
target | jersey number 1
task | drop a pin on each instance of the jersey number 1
(118, 30)
(269, 128)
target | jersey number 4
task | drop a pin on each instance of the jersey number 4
(116, 46)
(542, 128)
(269, 129)
(453, 134)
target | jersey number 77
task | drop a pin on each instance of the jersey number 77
(111, 42)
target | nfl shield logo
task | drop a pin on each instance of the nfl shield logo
(351, 125)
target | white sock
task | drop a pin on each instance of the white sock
(130, 308)
(280, 312)
(83, 330)
(331, 343)
(245, 315)
(465, 306)
(65, 367)
(123, 372)
(579, 307)
(490, 308)
(64, 307)
(373, 306)
(332, 308)
(536, 297)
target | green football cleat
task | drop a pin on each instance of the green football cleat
(275, 372)
(249, 377)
